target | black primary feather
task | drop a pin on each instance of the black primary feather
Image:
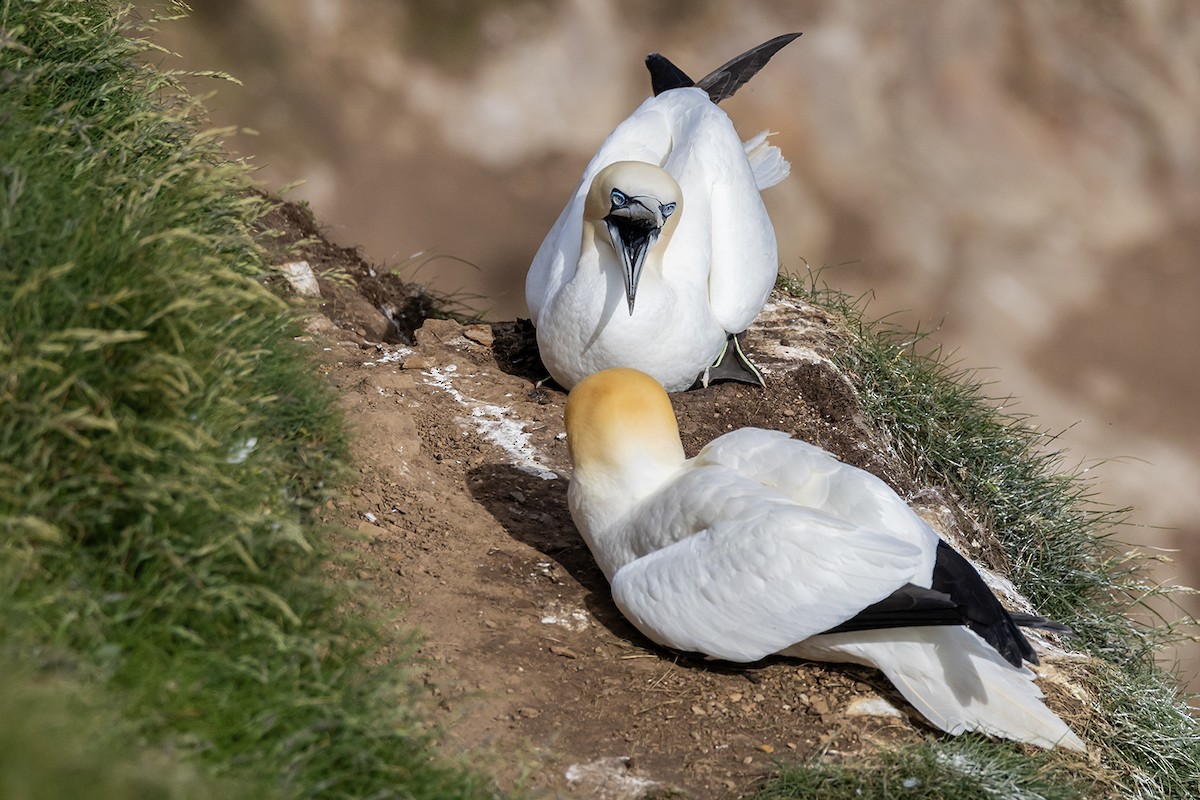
(907, 607)
(955, 576)
(726, 79)
(958, 596)
(723, 81)
(665, 76)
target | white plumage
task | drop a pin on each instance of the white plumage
(763, 544)
(661, 289)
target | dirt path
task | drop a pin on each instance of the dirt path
(460, 503)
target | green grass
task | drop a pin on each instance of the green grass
(162, 446)
(963, 768)
(1061, 553)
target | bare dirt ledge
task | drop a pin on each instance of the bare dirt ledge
(460, 500)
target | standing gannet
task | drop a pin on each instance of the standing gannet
(764, 544)
(665, 251)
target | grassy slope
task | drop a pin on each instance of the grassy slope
(1060, 552)
(161, 440)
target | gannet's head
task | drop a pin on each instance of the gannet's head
(621, 427)
(637, 203)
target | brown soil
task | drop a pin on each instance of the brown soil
(464, 536)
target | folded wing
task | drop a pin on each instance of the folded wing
(750, 586)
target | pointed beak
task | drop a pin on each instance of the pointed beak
(634, 229)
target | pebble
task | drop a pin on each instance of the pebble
(416, 362)
(300, 275)
(481, 334)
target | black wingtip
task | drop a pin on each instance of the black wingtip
(665, 76)
(955, 576)
(726, 79)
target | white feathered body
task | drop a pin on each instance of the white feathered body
(762, 542)
(712, 277)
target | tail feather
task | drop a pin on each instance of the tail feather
(767, 161)
(956, 680)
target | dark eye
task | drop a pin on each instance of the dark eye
(667, 210)
(618, 198)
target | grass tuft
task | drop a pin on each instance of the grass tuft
(1058, 542)
(163, 442)
(963, 768)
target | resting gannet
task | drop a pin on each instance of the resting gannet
(665, 251)
(763, 544)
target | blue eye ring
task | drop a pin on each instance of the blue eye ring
(618, 198)
(667, 210)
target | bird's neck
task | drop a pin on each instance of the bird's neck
(601, 497)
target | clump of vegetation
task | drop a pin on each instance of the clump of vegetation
(1061, 554)
(163, 442)
(968, 767)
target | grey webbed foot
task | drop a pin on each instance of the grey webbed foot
(732, 365)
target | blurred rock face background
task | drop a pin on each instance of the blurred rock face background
(1025, 173)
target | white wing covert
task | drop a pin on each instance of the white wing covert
(765, 577)
(814, 477)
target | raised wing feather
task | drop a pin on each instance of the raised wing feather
(726, 79)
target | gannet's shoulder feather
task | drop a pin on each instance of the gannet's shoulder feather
(702, 550)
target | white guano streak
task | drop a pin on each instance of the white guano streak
(495, 423)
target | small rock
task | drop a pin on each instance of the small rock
(371, 530)
(416, 362)
(518, 495)
(766, 748)
(436, 331)
(319, 323)
(529, 713)
(300, 275)
(565, 652)
(479, 333)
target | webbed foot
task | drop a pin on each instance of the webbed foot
(732, 365)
